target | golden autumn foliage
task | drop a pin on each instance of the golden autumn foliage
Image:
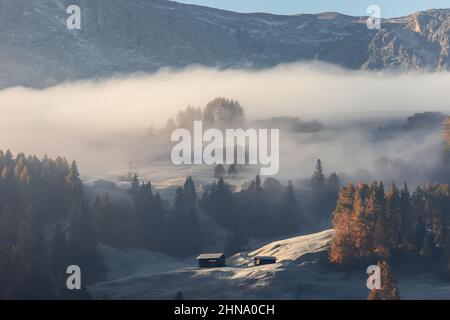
(389, 289)
(373, 225)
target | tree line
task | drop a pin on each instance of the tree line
(47, 221)
(372, 225)
(146, 221)
(269, 209)
(44, 227)
(259, 209)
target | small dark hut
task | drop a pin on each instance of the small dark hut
(211, 260)
(262, 260)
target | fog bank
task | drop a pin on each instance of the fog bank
(102, 123)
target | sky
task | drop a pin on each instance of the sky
(389, 8)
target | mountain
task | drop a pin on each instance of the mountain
(125, 36)
(301, 272)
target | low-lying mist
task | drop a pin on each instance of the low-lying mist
(104, 124)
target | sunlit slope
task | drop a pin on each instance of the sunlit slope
(302, 272)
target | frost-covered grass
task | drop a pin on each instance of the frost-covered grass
(300, 273)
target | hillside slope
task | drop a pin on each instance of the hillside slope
(162, 278)
(301, 273)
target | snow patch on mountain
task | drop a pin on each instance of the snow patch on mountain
(121, 37)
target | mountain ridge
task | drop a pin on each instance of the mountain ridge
(119, 37)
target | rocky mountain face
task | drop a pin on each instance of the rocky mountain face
(126, 36)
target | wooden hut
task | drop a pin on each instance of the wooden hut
(262, 260)
(211, 260)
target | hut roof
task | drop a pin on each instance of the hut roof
(208, 256)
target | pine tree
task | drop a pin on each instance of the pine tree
(445, 264)
(220, 204)
(393, 217)
(426, 250)
(30, 238)
(376, 209)
(185, 227)
(59, 261)
(189, 193)
(318, 203)
(258, 183)
(223, 201)
(135, 186)
(102, 220)
(407, 221)
(232, 170)
(362, 223)
(389, 289)
(374, 294)
(290, 217)
(333, 185)
(219, 171)
(32, 279)
(146, 193)
(440, 211)
(8, 235)
(419, 209)
(342, 250)
(318, 178)
(82, 242)
(74, 183)
(147, 224)
(179, 203)
(8, 230)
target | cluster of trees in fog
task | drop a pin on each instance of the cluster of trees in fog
(293, 124)
(223, 113)
(260, 209)
(147, 222)
(424, 120)
(45, 226)
(219, 113)
(269, 209)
